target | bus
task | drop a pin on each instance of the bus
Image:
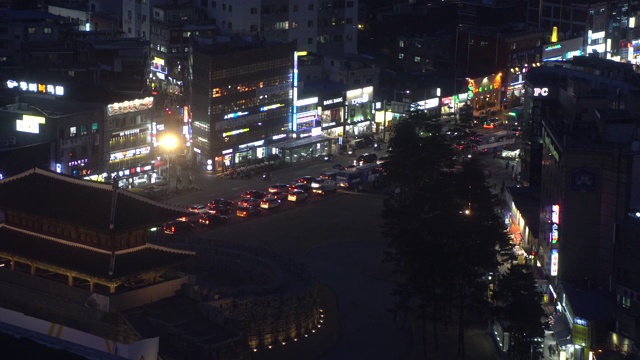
(356, 178)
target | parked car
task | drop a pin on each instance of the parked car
(297, 196)
(220, 206)
(300, 186)
(198, 209)
(306, 180)
(269, 203)
(248, 202)
(278, 187)
(212, 219)
(337, 167)
(278, 195)
(323, 186)
(221, 202)
(252, 194)
(177, 227)
(382, 159)
(248, 211)
(366, 159)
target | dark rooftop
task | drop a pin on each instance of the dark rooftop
(67, 199)
(84, 259)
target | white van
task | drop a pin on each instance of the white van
(323, 186)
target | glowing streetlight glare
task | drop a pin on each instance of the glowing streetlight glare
(169, 142)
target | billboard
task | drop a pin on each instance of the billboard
(554, 262)
(359, 105)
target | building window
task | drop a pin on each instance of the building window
(224, 6)
(229, 25)
(513, 46)
(253, 28)
(401, 43)
(213, 4)
(295, 8)
(349, 4)
(203, 3)
(31, 30)
(94, 127)
(83, 129)
(348, 20)
(416, 59)
(310, 41)
(400, 56)
(294, 24)
(310, 7)
(230, 8)
(47, 30)
(253, 11)
(72, 131)
(310, 23)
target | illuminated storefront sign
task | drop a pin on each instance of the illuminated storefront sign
(555, 214)
(157, 64)
(540, 92)
(359, 107)
(29, 124)
(130, 106)
(309, 101)
(36, 87)
(129, 153)
(270, 107)
(332, 101)
(235, 132)
(228, 151)
(554, 262)
(256, 143)
(235, 115)
(555, 220)
(428, 104)
(278, 137)
(80, 162)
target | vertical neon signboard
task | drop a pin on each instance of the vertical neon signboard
(294, 108)
(554, 262)
(555, 220)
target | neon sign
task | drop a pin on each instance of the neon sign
(554, 262)
(235, 132)
(29, 124)
(540, 92)
(130, 106)
(36, 87)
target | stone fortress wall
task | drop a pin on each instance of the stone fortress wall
(269, 298)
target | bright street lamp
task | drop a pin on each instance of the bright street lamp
(169, 143)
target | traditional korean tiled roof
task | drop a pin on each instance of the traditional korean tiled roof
(67, 199)
(83, 259)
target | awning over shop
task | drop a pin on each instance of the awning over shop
(292, 144)
(561, 330)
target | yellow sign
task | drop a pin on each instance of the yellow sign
(580, 335)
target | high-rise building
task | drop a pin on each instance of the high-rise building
(241, 99)
(580, 121)
(313, 25)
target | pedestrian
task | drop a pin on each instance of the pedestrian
(550, 350)
(513, 166)
(506, 166)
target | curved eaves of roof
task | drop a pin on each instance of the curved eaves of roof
(75, 201)
(82, 259)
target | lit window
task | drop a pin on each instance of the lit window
(72, 131)
(401, 43)
(83, 129)
(400, 56)
(416, 59)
